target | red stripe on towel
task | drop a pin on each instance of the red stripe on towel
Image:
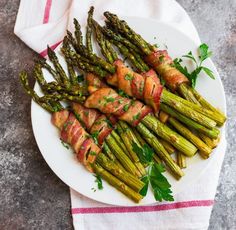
(53, 47)
(47, 11)
(161, 207)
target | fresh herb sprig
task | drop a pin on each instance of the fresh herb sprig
(160, 185)
(98, 180)
(204, 53)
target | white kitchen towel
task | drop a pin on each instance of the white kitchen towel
(44, 22)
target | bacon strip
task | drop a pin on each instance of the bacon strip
(108, 101)
(146, 87)
(94, 121)
(161, 62)
(74, 134)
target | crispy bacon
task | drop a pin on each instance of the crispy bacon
(123, 108)
(94, 121)
(74, 134)
(87, 153)
(102, 127)
(161, 62)
(59, 118)
(86, 116)
(152, 90)
(146, 87)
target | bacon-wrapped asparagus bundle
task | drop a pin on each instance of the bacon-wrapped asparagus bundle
(98, 125)
(147, 88)
(87, 152)
(127, 135)
(102, 128)
(139, 64)
(162, 63)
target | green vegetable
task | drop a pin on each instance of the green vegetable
(128, 77)
(160, 185)
(80, 78)
(98, 181)
(126, 107)
(65, 144)
(204, 53)
(95, 137)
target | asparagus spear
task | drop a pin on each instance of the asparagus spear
(121, 186)
(213, 133)
(181, 160)
(120, 141)
(111, 155)
(53, 58)
(160, 150)
(209, 113)
(169, 148)
(167, 134)
(109, 165)
(128, 137)
(191, 137)
(124, 176)
(89, 30)
(108, 53)
(121, 156)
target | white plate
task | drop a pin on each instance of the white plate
(71, 172)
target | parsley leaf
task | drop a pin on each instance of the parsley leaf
(128, 77)
(122, 93)
(160, 185)
(145, 154)
(95, 137)
(99, 182)
(65, 144)
(204, 53)
(144, 190)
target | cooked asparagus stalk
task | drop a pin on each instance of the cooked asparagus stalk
(110, 165)
(190, 136)
(124, 176)
(212, 133)
(169, 135)
(163, 65)
(89, 30)
(121, 156)
(181, 160)
(121, 186)
(160, 150)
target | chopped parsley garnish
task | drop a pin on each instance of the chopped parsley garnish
(98, 180)
(126, 107)
(160, 185)
(66, 124)
(92, 153)
(137, 116)
(204, 53)
(86, 113)
(129, 77)
(80, 78)
(109, 99)
(122, 93)
(65, 144)
(95, 137)
(108, 123)
(161, 58)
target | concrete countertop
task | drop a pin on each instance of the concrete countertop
(32, 197)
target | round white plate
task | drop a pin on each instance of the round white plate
(71, 172)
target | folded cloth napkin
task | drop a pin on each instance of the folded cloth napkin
(44, 22)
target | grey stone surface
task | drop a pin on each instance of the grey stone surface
(32, 197)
